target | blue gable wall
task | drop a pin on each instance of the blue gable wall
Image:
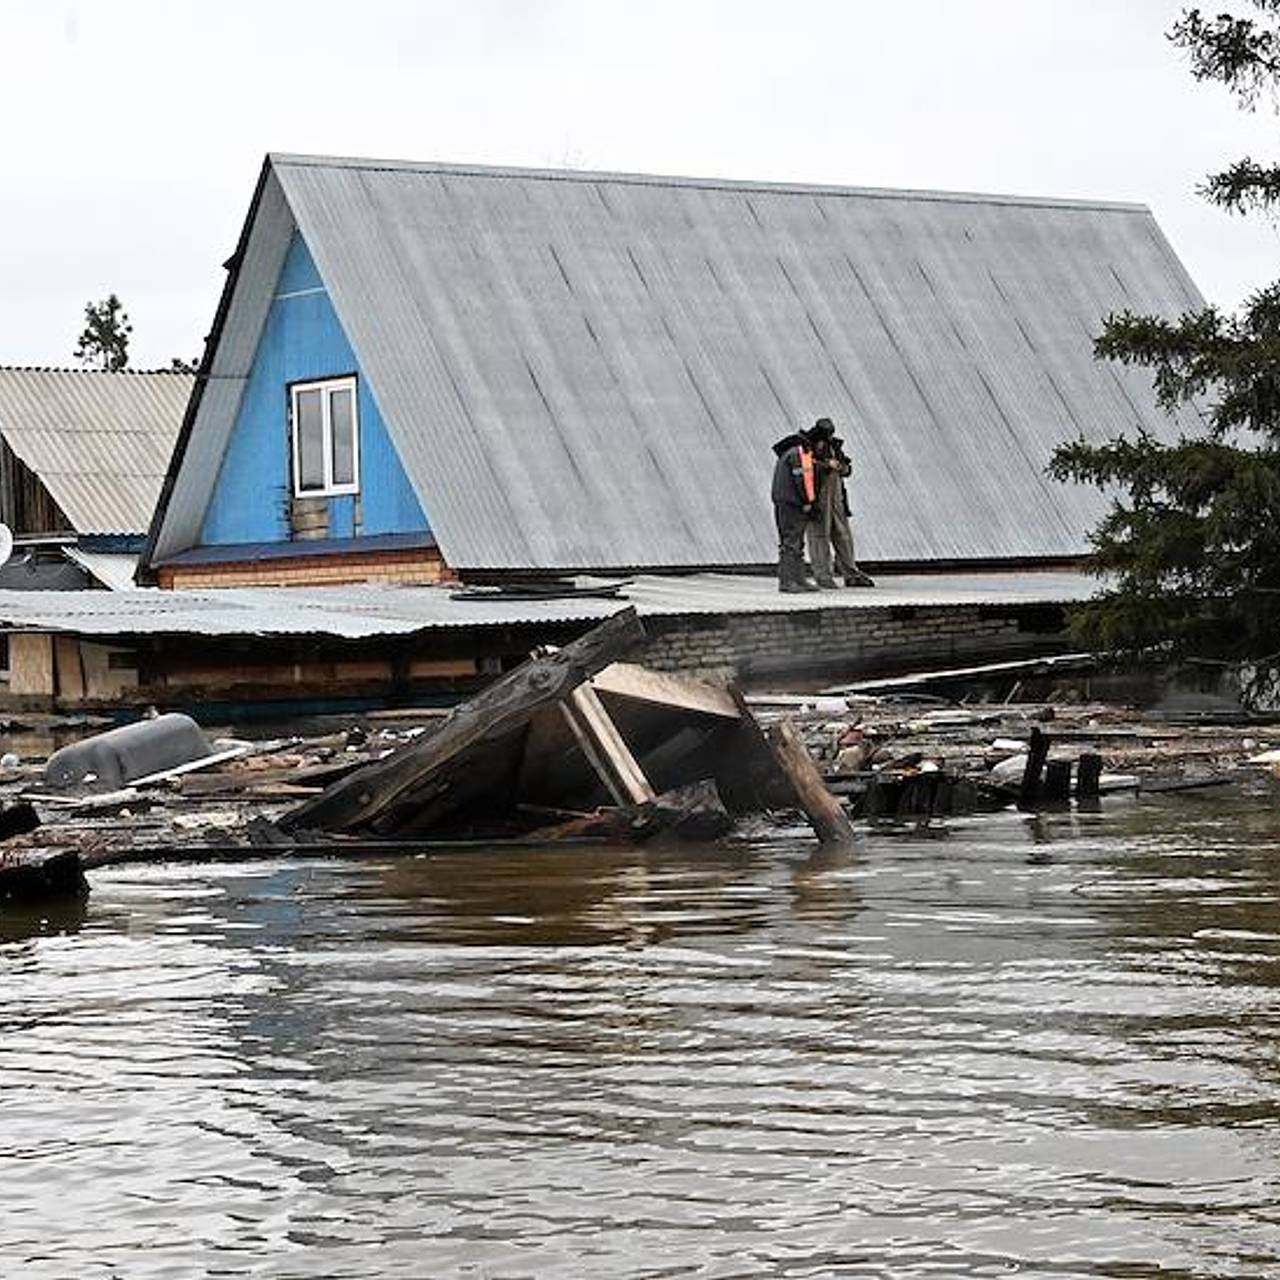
(303, 339)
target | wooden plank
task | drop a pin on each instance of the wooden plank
(496, 712)
(825, 813)
(605, 748)
(678, 693)
(31, 664)
(69, 675)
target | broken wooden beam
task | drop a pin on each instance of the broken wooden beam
(825, 813)
(437, 769)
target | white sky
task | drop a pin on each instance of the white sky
(132, 131)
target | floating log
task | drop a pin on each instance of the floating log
(34, 875)
(825, 813)
(442, 771)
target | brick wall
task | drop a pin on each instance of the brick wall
(740, 646)
(416, 567)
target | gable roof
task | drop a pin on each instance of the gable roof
(586, 370)
(99, 442)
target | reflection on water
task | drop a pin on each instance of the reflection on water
(1050, 1051)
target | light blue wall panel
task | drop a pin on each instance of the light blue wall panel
(303, 339)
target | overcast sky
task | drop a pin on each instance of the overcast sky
(133, 130)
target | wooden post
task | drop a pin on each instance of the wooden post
(1037, 753)
(1088, 772)
(1057, 781)
(605, 748)
(825, 813)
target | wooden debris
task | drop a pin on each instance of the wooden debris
(825, 813)
(435, 776)
(1037, 753)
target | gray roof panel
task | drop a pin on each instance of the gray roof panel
(359, 612)
(586, 371)
(99, 442)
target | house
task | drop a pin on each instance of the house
(82, 456)
(422, 372)
(422, 376)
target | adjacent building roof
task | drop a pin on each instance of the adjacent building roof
(360, 612)
(99, 442)
(587, 370)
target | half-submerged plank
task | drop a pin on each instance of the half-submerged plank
(825, 813)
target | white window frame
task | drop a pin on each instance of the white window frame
(326, 386)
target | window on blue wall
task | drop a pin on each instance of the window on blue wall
(326, 437)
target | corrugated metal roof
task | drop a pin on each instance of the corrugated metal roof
(99, 442)
(587, 370)
(361, 612)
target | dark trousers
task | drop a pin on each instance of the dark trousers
(791, 522)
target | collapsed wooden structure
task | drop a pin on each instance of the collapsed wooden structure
(575, 729)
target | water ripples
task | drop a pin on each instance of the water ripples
(1046, 1049)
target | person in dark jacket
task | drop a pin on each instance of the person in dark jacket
(829, 531)
(794, 493)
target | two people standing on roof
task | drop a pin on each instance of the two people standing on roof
(811, 505)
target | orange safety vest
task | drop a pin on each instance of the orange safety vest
(806, 475)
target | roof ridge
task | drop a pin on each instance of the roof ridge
(299, 160)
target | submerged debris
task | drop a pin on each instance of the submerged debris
(577, 747)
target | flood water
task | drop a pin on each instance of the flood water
(1023, 1049)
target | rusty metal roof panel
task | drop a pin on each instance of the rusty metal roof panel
(99, 442)
(586, 371)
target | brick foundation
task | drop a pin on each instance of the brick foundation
(746, 646)
(415, 567)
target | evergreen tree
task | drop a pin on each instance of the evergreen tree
(105, 340)
(1193, 542)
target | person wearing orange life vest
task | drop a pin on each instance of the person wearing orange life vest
(829, 531)
(795, 490)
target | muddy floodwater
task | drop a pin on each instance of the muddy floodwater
(1034, 1049)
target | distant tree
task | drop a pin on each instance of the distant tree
(105, 340)
(1193, 540)
(179, 365)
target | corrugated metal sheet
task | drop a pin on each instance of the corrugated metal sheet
(109, 569)
(99, 442)
(360, 612)
(587, 370)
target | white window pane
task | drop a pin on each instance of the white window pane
(342, 426)
(309, 426)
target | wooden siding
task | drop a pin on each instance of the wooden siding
(25, 504)
(252, 501)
